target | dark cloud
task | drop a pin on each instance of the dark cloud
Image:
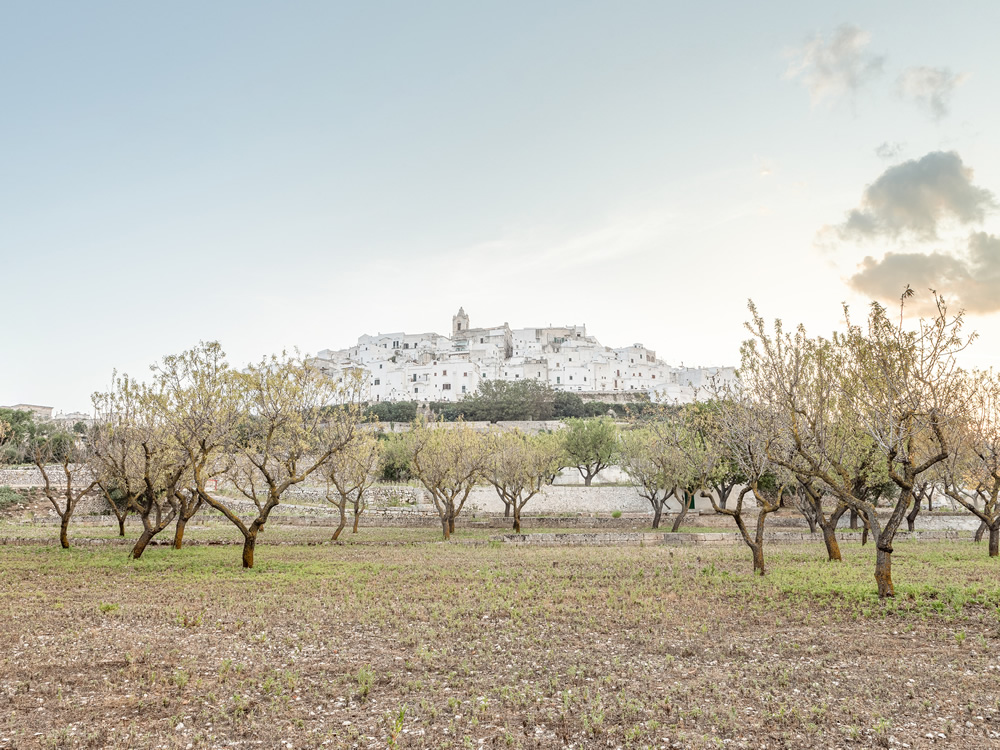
(831, 69)
(971, 282)
(914, 197)
(888, 151)
(930, 88)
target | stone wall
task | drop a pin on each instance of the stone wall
(625, 539)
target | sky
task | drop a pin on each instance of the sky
(276, 175)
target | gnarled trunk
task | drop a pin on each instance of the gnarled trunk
(249, 542)
(63, 531)
(680, 516)
(179, 531)
(121, 526)
(657, 512)
(343, 522)
(830, 540)
(517, 520)
(980, 531)
(140, 544)
(995, 540)
(758, 559)
(883, 572)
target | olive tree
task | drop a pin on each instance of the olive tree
(590, 445)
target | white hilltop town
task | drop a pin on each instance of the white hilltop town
(428, 367)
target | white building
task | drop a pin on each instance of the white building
(431, 367)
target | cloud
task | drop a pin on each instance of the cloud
(915, 197)
(831, 69)
(930, 88)
(888, 151)
(970, 281)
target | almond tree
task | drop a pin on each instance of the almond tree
(519, 465)
(646, 461)
(135, 455)
(349, 474)
(861, 412)
(747, 430)
(77, 479)
(971, 473)
(199, 407)
(293, 420)
(448, 460)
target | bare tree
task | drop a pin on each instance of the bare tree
(78, 479)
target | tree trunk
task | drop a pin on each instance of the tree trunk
(140, 544)
(63, 535)
(249, 542)
(444, 528)
(451, 524)
(995, 540)
(758, 559)
(587, 479)
(357, 515)
(883, 573)
(179, 532)
(911, 517)
(506, 509)
(121, 526)
(657, 512)
(830, 540)
(680, 516)
(517, 520)
(980, 531)
(343, 523)
(854, 520)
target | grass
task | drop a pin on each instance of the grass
(435, 645)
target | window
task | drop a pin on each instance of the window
(570, 377)
(446, 387)
(378, 382)
(463, 389)
(415, 390)
(482, 341)
(406, 345)
(414, 377)
(465, 374)
(459, 326)
(444, 372)
(558, 380)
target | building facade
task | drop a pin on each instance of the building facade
(431, 367)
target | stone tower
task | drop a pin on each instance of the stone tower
(459, 323)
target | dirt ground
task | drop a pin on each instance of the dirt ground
(434, 645)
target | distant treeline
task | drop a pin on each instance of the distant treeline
(511, 401)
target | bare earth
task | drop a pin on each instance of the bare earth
(485, 646)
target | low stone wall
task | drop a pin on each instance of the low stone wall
(627, 539)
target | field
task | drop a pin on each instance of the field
(409, 644)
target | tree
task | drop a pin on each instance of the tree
(15, 428)
(590, 445)
(288, 432)
(350, 473)
(135, 455)
(509, 400)
(646, 460)
(519, 465)
(971, 473)
(860, 413)
(199, 409)
(568, 405)
(448, 460)
(749, 432)
(78, 475)
(394, 458)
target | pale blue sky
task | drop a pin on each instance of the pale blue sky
(295, 174)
